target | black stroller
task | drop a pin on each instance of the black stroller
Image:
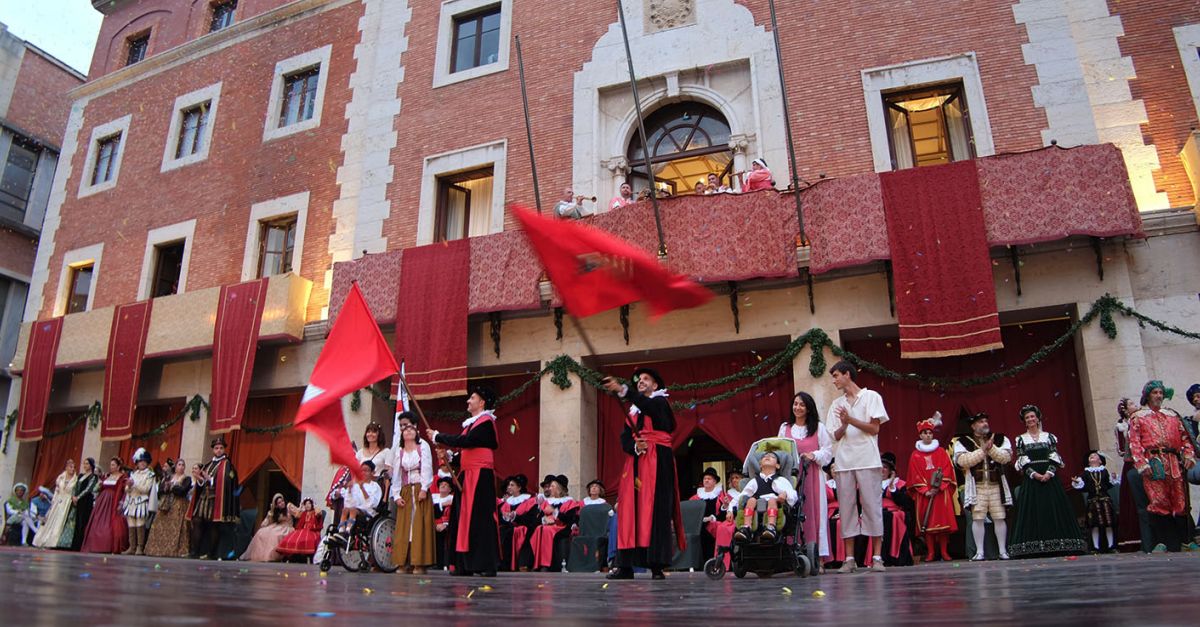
(790, 550)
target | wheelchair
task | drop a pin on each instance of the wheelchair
(369, 544)
(790, 551)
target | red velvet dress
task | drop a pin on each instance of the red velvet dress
(106, 530)
(304, 538)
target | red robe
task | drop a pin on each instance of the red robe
(920, 476)
(647, 505)
(520, 531)
(545, 534)
(1159, 435)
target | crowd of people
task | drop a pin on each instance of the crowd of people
(758, 177)
(451, 512)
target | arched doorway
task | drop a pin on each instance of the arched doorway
(688, 140)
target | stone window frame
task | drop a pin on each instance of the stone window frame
(1187, 39)
(265, 211)
(73, 259)
(211, 95)
(494, 154)
(450, 9)
(119, 126)
(318, 58)
(185, 231)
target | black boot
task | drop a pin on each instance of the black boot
(657, 573)
(620, 573)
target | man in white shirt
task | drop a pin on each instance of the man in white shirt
(360, 498)
(570, 206)
(855, 417)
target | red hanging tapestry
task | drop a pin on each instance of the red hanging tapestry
(942, 274)
(123, 369)
(431, 318)
(44, 336)
(235, 342)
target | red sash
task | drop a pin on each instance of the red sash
(473, 460)
(634, 532)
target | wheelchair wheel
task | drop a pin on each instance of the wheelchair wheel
(803, 566)
(714, 568)
(325, 563)
(739, 571)
(382, 532)
(814, 560)
(354, 559)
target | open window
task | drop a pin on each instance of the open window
(276, 245)
(688, 141)
(928, 126)
(80, 289)
(464, 204)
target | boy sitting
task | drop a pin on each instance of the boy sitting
(360, 497)
(767, 486)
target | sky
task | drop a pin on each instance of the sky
(66, 29)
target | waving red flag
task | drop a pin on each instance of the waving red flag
(354, 356)
(595, 271)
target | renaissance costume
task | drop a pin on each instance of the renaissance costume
(214, 505)
(820, 444)
(50, 532)
(169, 533)
(106, 530)
(985, 488)
(276, 525)
(304, 537)
(936, 517)
(519, 517)
(1162, 452)
(413, 543)
(559, 514)
(476, 536)
(1045, 521)
(87, 487)
(1095, 483)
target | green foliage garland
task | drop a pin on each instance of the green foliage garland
(192, 407)
(9, 422)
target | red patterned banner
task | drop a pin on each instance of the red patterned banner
(431, 318)
(844, 221)
(235, 342)
(36, 380)
(123, 369)
(945, 298)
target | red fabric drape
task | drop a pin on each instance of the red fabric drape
(286, 448)
(431, 318)
(516, 425)
(37, 377)
(734, 423)
(235, 342)
(162, 446)
(123, 368)
(945, 300)
(1052, 385)
(53, 453)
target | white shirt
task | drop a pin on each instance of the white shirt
(569, 209)
(780, 485)
(354, 498)
(824, 453)
(380, 459)
(414, 466)
(587, 500)
(858, 450)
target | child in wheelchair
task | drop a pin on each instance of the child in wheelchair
(762, 494)
(361, 500)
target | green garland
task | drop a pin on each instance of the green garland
(193, 407)
(92, 414)
(9, 422)
(817, 340)
(274, 430)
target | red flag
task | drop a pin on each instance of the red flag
(354, 356)
(595, 271)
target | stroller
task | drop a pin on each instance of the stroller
(790, 550)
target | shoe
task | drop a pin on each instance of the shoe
(1159, 548)
(877, 566)
(1191, 546)
(657, 573)
(741, 535)
(849, 566)
(768, 534)
(1004, 556)
(418, 570)
(619, 573)
(978, 557)
(487, 573)
(946, 557)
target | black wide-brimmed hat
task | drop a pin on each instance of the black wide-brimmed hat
(889, 459)
(521, 480)
(220, 439)
(562, 481)
(546, 480)
(1103, 459)
(596, 482)
(980, 416)
(653, 375)
(487, 394)
(712, 472)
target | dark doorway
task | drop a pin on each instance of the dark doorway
(699, 452)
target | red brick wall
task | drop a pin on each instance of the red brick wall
(171, 22)
(39, 102)
(17, 252)
(240, 169)
(824, 51)
(1162, 84)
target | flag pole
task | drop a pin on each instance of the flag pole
(415, 404)
(791, 147)
(637, 105)
(537, 196)
(587, 341)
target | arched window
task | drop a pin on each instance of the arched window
(688, 141)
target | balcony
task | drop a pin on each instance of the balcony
(180, 325)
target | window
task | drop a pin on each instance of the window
(107, 152)
(299, 96)
(168, 267)
(16, 181)
(464, 204)
(476, 39)
(688, 140)
(137, 48)
(191, 130)
(276, 244)
(80, 288)
(222, 15)
(928, 126)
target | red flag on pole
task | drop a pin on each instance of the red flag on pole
(354, 356)
(595, 271)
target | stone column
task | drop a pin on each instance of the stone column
(567, 440)
(739, 144)
(17, 464)
(619, 168)
(1108, 370)
(193, 442)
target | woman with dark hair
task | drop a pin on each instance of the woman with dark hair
(816, 449)
(51, 530)
(304, 538)
(87, 486)
(413, 545)
(518, 520)
(107, 531)
(1045, 521)
(374, 450)
(169, 533)
(275, 526)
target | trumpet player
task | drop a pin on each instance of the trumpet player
(571, 205)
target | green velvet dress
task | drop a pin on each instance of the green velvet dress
(1045, 522)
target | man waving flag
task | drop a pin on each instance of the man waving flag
(354, 356)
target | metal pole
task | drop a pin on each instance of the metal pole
(791, 146)
(637, 104)
(537, 196)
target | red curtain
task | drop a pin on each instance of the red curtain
(516, 424)
(162, 446)
(286, 448)
(1052, 385)
(53, 453)
(734, 423)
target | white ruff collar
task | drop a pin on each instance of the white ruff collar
(555, 502)
(928, 448)
(470, 421)
(443, 500)
(518, 499)
(708, 495)
(1096, 469)
(633, 409)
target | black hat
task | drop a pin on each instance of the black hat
(546, 481)
(889, 459)
(653, 375)
(521, 480)
(1103, 460)
(562, 481)
(487, 394)
(595, 482)
(220, 439)
(369, 464)
(712, 472)
(445, 480)
(980, 416)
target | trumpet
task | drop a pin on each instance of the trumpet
(582, 198)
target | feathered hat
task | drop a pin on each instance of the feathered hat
(931, 423)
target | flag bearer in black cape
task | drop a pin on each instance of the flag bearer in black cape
(647, 503)
(214, 503)
(474, 525)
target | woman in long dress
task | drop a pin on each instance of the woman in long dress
(816, 448)
(305, 535)
(275, 525)
(169, 533)
(1045, 520)
(87, 486)
(106, 530)
(413, 545)
(64, 488)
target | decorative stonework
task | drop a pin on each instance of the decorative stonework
(666, 14)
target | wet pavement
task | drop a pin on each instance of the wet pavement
(57, 588)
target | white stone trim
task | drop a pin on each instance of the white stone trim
(366, 170)
(185, 231)
(493, 154)
(88, 255)
(119, 126)
(1187, 38)
(962, 68)
(211, 95)
(295, 204)
(445, 41)
(313, 58)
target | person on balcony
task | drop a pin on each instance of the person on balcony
(758, 178)
(625, 197)
(570, 206)
(715, 186)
